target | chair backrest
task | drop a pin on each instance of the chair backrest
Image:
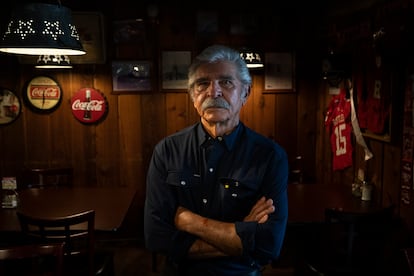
(32, 258)
(358, 240)
(46, 177)
(77, 231)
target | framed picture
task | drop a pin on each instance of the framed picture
(129, 31)
(131, 76)
(279, 72)
(90, 26)
(174, 70)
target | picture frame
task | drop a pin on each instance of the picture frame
(91, 29)
(130, 31)
(174, 70)
(279, 74)
(132, 76)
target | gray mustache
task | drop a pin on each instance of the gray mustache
(215, 102)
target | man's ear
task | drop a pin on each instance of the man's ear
(245, 94)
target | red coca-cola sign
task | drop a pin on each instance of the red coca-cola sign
(89, 105)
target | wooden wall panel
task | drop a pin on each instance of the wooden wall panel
(391, 175)
(286, 131)
(130, 142)
(116, 152)
(261, 108)
(176, 111)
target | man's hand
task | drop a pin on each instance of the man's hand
(261, 210)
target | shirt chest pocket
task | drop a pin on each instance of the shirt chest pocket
(185, 185)
(236, 197)
(231, 188)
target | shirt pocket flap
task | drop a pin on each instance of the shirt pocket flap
(183, 179)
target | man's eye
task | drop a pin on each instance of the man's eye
(226, 83)
(200, 86)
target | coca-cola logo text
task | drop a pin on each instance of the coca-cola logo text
(89, 105)
(94, 105)
(44, 92)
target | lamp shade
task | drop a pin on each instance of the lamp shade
(41, 29)
(252, 58)
(53, 62)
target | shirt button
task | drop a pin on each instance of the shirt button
(211, 170)
(220, 138)
(205, 200)
(182, 182)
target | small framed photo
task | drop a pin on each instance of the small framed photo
(131, 76)
(129, 31)
(174, 70)
(279, 72)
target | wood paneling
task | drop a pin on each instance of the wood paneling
(116, 151)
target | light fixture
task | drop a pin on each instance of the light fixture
(53, 62)
(41, 29)
(252, 58)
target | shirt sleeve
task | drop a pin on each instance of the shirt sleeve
(159, 210)
(262, 242)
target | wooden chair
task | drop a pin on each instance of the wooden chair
(351, 243)
(78, 233)
(32, 259)
(46, 177)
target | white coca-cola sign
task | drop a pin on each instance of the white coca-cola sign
(89, 105)
(42, 94)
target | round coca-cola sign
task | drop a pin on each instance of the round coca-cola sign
(89, 105)
(42, 94)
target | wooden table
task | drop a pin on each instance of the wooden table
(307, 202)
(110, 205)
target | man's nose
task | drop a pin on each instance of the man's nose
(214, 90)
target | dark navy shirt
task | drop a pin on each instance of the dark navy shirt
(220, 179)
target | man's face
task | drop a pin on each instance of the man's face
(218, 94)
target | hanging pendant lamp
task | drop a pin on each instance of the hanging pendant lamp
(41, 29)
(252, 58)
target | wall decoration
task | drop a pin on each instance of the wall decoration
(90, 26)
(129, 31)
(174, 70)
(279, 72)
(42, 94)
(375, 98)
(10, 107)
(89, 105)
(131, 76)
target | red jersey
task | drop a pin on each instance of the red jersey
(374, 102)
(338, 123)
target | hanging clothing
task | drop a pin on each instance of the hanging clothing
(338, 124)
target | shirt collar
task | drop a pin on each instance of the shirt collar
(229, 140)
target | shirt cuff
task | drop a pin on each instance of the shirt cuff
(247, 233)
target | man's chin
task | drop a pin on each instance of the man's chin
(214, 119)
(216, 112)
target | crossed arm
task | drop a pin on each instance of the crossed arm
(217, 238)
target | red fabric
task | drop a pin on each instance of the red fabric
(373, 89)
(338, 123)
